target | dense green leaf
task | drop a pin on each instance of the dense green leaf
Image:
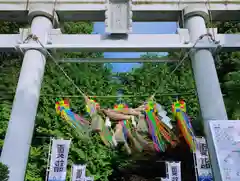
(97, 79)
(3, 172)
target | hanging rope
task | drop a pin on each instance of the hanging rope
(181, 61)
(66, 75)
(210, 19)
(35, 38)
(182, 15)
(123, 96)
(191, 92)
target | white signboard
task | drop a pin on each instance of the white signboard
(226, 139)
(173, 170)
(78, 172)
(202, 160)
(58, 163)
(165, 179)
(89, 179)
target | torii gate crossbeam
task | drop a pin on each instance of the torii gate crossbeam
(143, 10)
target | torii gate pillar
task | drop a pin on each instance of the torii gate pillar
(21, 125)
(207, 83)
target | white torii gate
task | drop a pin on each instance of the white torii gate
(45, 14)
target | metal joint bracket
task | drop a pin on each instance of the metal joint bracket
(214, 39)
(209, 40)
(205, 42)
(52, 33)
(23, 49)
(118, 16)
(184, 35)
(26, 36)
(212, 33)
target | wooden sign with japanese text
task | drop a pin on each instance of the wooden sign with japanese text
(58, 163)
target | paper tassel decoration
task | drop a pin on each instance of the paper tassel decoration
(132, 135)
(122, 131)
(92, 109)
(163, 114)
(125, 130)
(161, 134)
(98, 123)
(118, 134)
(142, 126)
(63, 109)
(184, 124)
(157, 139)
(107, 134)
(132, 126)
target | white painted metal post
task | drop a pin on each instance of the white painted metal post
(21, 125)
(207, 83)
(49, 157)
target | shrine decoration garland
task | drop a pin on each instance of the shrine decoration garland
(63, 109)
(184, 123)
(160, 132)
(163, 115)
(97, 124)
(127, 129)
(157, 138)
(144, 128)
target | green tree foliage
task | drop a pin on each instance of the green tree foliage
(3, 172)
(97, 79)
(228, 66)
(156, 79)
(93, 79)
(169, 84)
(9, 65)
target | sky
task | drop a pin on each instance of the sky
(138, 28)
